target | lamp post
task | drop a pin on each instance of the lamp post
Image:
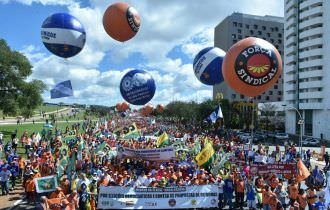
(300, 122)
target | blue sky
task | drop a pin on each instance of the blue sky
(172, 32)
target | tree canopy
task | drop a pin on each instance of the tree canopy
(17, 95)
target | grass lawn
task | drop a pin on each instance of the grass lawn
(7, 130)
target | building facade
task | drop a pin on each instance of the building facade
(306, 83)
(239, 26)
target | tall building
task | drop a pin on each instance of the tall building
(239, 26)
(306, 83)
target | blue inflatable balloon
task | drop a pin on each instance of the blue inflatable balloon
(63, 35)
(208, 65)
(137, 87)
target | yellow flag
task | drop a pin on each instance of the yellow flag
(162, 140)
(205, 157)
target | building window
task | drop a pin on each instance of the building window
(267, 98)
(268, 34)
(235, 24)
(272, 29)
(240, 25)
(233, 96)
(259, 97)
(247, 26)
(255, 26)
(279, 41)
(233, 36)
(279, 99)
(280, 93)
(276, 29)
(264, 28)
(270, 92)
(234, 41)
(259, 32)
(239, 36)
(279, 35)
(239, 31)
(242, 96)
(251, 32)
(275, 87)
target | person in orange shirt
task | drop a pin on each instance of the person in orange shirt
(21, 166)
(73, 200)
(293, 192)
(302, 199)
(266, 195)
(58, 193)
(30, 188)
(240, 187)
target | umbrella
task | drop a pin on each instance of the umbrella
(48, 126)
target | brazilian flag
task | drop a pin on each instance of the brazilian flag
(163, 140)
(206, 156)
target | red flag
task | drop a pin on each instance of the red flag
(303, 172)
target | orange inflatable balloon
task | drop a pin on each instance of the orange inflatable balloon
(160, 108)
(252, 66)
(124, 106)
(121, 21)
(118, 107)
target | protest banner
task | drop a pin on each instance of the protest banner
(198, 196)
(278, 168)
(46, 184)
(164, 153)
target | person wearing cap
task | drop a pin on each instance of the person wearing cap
(5, 175)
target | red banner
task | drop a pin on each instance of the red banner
(278, 168)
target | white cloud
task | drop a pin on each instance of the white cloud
(187, 24)
(43, 2)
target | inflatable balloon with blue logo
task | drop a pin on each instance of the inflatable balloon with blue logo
(137, 87)
(207, 65)
(63, 35)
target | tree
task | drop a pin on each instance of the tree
(268, 111)
(17, 96)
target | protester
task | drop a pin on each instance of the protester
(83, 162)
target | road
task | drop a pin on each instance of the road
(10, 121)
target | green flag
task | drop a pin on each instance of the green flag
(163, 140)
(206, 156)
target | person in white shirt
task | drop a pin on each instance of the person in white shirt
(143, 179)
(5, 175)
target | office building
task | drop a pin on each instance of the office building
(306, 60)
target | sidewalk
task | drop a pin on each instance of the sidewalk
(14, 198)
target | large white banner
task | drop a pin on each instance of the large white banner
(155, 154)
(197, 196)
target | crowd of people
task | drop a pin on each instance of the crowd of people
(84, 167)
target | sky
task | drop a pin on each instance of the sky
(172, 32)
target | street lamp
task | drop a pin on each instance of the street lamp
(300, 122)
